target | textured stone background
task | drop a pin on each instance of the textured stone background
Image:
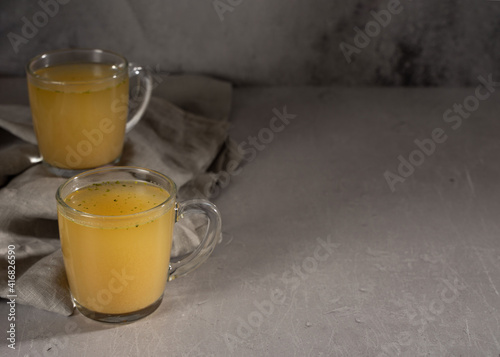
(437, 43)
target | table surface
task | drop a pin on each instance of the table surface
(364, 223)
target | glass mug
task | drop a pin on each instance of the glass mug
(116, 227)
(79, 101)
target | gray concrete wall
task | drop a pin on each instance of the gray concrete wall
(427, 42)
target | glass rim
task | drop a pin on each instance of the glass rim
(41, 56)
(61, 203)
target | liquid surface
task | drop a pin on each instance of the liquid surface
(117, 198)
(117, 264)
(78, 72)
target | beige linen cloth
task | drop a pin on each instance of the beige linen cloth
(183, 134)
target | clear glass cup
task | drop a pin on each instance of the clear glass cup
(116, 230)
(79, 101)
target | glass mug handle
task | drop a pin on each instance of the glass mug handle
(207, 244)
(143, 87)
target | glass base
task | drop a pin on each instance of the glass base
(67, 173)
(118, 318)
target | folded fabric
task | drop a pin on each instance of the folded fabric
(183, 134)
